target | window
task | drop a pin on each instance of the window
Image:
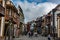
(1, 2)
(15, 15)
(59, 23)
(9, 12)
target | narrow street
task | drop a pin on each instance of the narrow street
(32, 38)
(25, 19)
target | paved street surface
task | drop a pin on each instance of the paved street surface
(31, 38)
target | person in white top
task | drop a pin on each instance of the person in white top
(32, 28)
(49, 37)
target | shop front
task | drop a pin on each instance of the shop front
(2, 12)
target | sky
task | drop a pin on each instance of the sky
(35, 8)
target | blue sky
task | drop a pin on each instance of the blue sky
(35, 8)
(30, 1)
(39, 1)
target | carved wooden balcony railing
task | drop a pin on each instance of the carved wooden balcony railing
(14, 20)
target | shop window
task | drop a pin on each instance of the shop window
(59, 23)
(5, 29)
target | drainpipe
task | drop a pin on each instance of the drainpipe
(53, 19)
(54, 22)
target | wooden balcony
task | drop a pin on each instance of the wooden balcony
(9, 4)
(14, 20)
(2, 10)
(6, 17)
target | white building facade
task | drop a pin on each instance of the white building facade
(56, 20)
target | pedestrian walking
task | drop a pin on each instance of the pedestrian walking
(49, 37)
(35, 33)
(29, 33)
(32, 30)
(17, 32)
(25, 29)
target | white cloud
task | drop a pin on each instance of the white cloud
(11, 0)
(54, 1)
(32, 10)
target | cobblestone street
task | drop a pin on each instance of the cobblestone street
(31, 38)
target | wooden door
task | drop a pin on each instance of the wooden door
(58, 26)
